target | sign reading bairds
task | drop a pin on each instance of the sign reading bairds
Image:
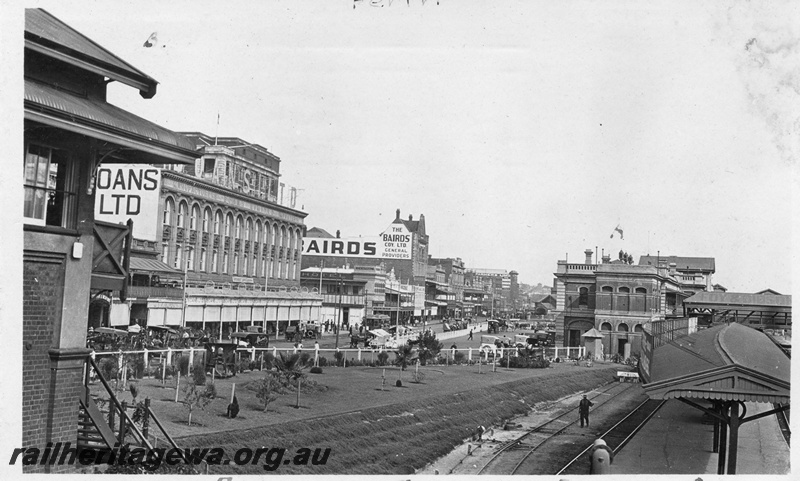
(128, 191)
(393, 243)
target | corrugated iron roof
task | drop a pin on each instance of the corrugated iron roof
(150, 265)
(681, 263)
(730, 299)
(51, 33)
(732, 362)
(44, 103)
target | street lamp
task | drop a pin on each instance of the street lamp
(185, 274)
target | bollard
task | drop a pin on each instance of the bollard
(601, 458)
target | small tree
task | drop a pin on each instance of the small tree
(266, 389)
(134, 391)
(195, 398)
(199, 374)
(429, 346)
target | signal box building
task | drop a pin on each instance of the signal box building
(69, 258)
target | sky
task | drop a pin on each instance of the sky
(524, 131)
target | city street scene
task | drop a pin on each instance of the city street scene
(406, 238)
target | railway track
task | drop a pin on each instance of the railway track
(618, 435)
(516, 455)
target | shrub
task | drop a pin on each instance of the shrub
(135, 365)
(316, 370)
(383, 358)
(418, 376)
(458, 357)
(306, 359)
(323, 361)
(211, 390)
(233, 408)
(339, 356)
(199, 374)
(108, 368)
(183, 365)
(429, 347)
(266, 389)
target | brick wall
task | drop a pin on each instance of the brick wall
(49, 413)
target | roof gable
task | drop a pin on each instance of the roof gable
(50, 36)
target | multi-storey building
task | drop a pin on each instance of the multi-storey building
(225, 223)
(615, 298)
(343, 293)
(69, 257)
(401, 302)
(454, 290)
(499, 282)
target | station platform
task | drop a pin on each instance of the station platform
(675, 441)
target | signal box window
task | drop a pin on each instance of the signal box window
(50, 197)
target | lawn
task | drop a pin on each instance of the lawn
(371, 428)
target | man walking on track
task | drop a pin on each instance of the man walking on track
(583, 410)
(470, 335)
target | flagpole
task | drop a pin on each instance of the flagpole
(216, 134)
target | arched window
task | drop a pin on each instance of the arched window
(190, 258)
(238, 233)
(235, 263)
(641, 290)
(244, 264)
(607, 289)
(217, 222)
(248, 229)
(169, 207)
(207, 220)
(605, 326)
(225, 263)
(622, 327)
(264, 272)
(228, 222)
(254, 266)
(165, 253)
(195, 218)
(215, 261)
(202, 260)
(583, 297)
(626, 290)
(638, 328)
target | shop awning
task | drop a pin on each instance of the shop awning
(142, 140)
(142, 264)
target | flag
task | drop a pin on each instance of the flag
(151, 40)
(617, 229)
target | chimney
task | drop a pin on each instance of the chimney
(398, 215)
(338, 233)
(410, 217)
(606, 259)
(672, 269)
(588, 253)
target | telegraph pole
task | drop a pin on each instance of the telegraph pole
(339, 314)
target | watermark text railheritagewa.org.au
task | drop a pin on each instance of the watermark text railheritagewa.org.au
(151, 459)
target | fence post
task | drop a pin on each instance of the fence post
(146, 359)
(470, 354)
(555, 356)
(359, 353)
(146, 419)
(191, 358)
(169, 356)
(122, 426)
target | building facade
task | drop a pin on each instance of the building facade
(615, 298)
(228, 231)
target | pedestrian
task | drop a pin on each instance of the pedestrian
(583, 410)
(470, 335)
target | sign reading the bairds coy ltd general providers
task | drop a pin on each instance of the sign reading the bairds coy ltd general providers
(129, 191)
(393, 243)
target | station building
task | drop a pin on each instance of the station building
(69, 257)
(618, 299)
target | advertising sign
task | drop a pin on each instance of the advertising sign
(129, 191)
(394, 243)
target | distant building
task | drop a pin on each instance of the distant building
(500, 284)
(454, 289)
(693, 273)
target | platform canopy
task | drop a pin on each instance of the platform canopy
(729, 362)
